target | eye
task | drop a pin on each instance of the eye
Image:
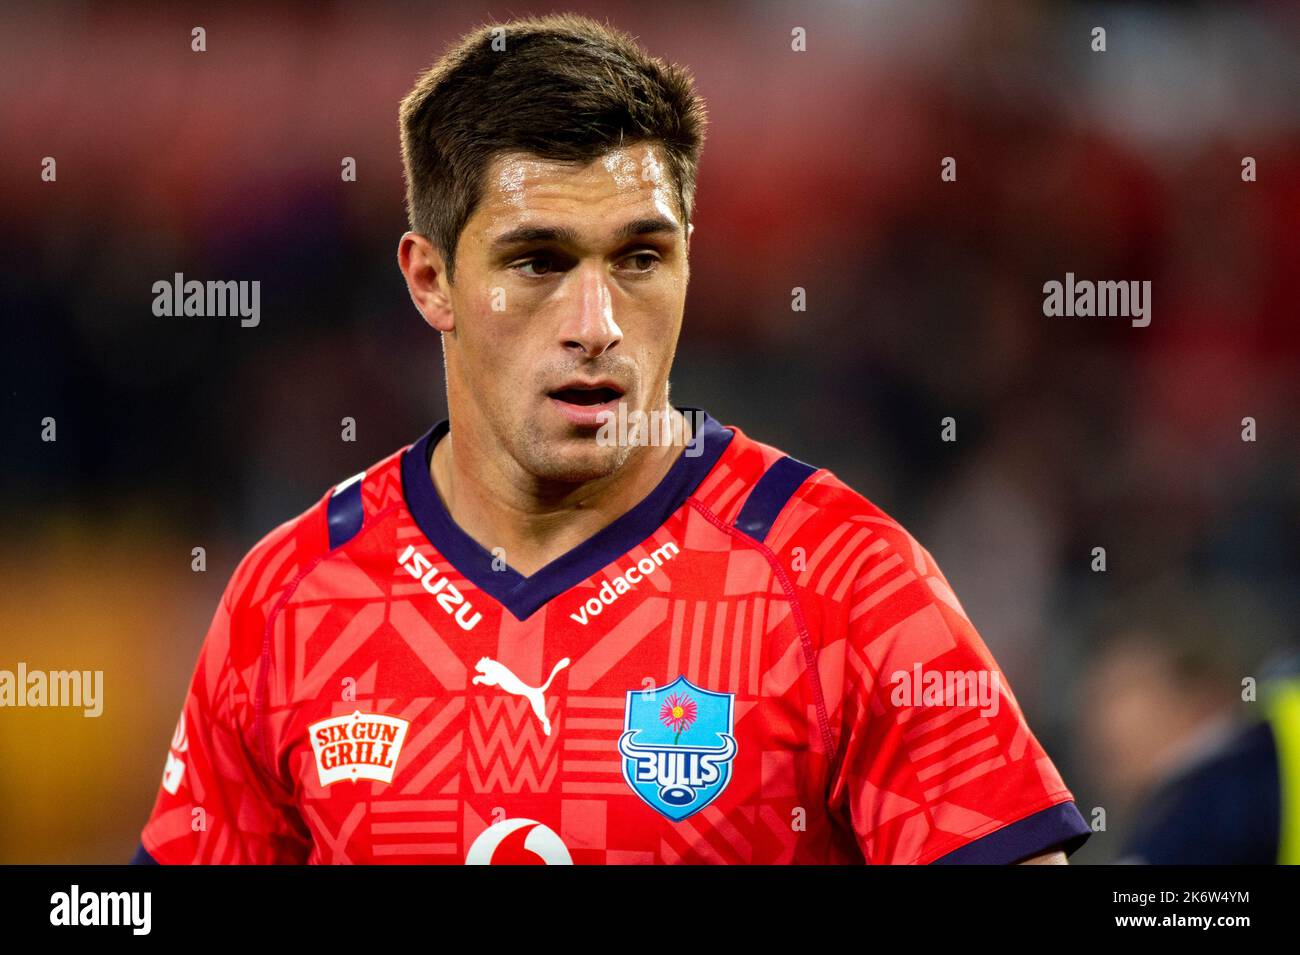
(645, 261)
(540, 264)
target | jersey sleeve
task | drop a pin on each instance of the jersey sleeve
(935, 761)
(218, 803)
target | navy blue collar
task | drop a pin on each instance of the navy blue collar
(523, 595)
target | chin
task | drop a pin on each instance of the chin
(579, 461)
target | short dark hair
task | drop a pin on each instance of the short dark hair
(565, 88)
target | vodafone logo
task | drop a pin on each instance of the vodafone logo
(518, 842)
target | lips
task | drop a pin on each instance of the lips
(584, 403)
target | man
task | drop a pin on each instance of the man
(1193, 774)
(575, 623)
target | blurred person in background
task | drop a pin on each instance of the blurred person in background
(1198, 769)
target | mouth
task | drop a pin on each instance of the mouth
(585, 396)
(585, 403)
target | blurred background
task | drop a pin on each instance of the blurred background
(821, 170)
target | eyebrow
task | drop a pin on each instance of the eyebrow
(566, 236)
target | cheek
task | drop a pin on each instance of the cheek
(501, 347)
(490, 328)
(667, 328)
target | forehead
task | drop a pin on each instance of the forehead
(626, 180)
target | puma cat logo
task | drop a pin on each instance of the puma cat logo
(497, 674)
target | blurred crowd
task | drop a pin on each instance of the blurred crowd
(821, 171)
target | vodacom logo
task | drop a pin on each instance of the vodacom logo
(518, 842)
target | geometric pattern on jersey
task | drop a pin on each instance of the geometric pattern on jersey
(373, 689)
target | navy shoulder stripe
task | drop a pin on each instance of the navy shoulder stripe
(345, 511)
(770, 495)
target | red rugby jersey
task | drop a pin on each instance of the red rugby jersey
(753, 665)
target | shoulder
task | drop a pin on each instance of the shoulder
(802, 510)
(829, 519)
(844, 557)
(281, 558)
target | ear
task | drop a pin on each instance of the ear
(690, 228)
(426, 279)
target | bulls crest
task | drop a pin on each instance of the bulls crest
(677, 746)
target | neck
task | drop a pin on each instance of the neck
(533, 521)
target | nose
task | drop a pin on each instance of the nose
(589, 325)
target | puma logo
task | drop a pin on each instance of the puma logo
(498, 674)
